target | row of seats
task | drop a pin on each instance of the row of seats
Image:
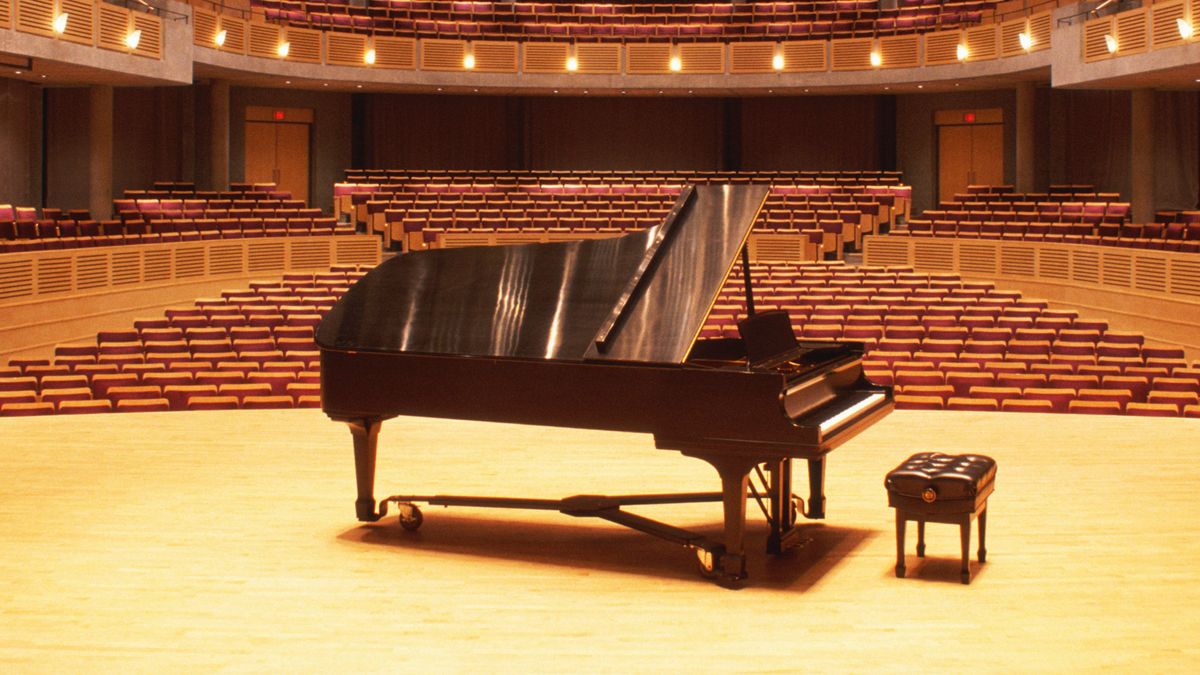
(1168, 237)
(185, 189)
(148, 208)
(250, 349)
(847, 18)
(64, 234)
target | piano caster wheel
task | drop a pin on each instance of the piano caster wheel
(726, 570)
(411, 517)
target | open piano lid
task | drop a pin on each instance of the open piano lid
(641, 297)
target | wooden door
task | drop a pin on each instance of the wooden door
(954, 161)
(260, 152)
(291, 159)
(277, 148)
(987, 154)
(970, 149)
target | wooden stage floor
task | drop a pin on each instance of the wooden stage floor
(227, 540)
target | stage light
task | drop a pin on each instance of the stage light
(676, 64)
(1186, 30)
(469, 60)
(220, 37)
(1110, 43)
(777, 61)
(60, 23)
(369, 57)
(1026, 40)
(961, 52)
(283, 49)
(876, 59)
(133, 39)
(572, 64)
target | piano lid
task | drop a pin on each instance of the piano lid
(641, 297)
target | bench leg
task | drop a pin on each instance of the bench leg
(920, 539)
(899, 543)
(965, 532)
(982, 534)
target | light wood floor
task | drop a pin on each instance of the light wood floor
(205, 541)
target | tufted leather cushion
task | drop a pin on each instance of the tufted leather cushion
(948, 476)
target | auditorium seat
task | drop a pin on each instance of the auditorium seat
(208, 402)
(142, 405)
(25, 409)
(1152, 410)
(1025, 405)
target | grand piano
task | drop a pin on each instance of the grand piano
(603, 334)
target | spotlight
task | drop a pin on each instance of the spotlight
(1026, 40)
(777, 61)
(369, 57)
(220, 37)
(1110, 43)
(1186, 30)
(961, 52)
(60, 23)
(876, 59)
(572, 64)
(283, 49)
(469, 61)
(676, 64)
(133, 39)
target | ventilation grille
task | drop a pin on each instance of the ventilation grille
(805, 57)
(942, 47)
(1010, 37)
(1094, 47)
(16, 278)
(398, 53)
(305, 45)
(266, 256)
(91, 271)
(1054, 263)
(1039, 29)
(5, 14)
(1163, 30)
(35, 16)
(225, 259)
(309, 254)
(126, 268)
(1018, 261)
(886, 251)
(54, 275)
(647, 58)
(496, 57)
(150, 44)
(599, 58)
(462, 240)
(1116, 269)
(851, 54)
(937, 255)
(751, 57)
(204, 28)
(113, 27)
(1131, 32)
(702, 57)
(545, 57)
(346, 49)
(1150, 274)
(189, 262)
(235, 34)
(900, 51)
(81, 21)
(982, 42)
(1185, 277)
(442, 54)
(1085, 267)
(264, 40)
(977, 258)
(787, 248)
(356, 250)
(157, 265)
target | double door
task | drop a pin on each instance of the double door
(277, 148)
(970, 150)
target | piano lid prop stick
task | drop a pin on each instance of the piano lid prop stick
(746, 279)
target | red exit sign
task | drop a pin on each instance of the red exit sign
(969, 118)
(278, 114)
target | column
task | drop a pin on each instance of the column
(219, 129)
(1025, 136)
(100, 151)
(1141, 156)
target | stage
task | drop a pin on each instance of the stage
(201, 541)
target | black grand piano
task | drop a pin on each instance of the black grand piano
(602, 334)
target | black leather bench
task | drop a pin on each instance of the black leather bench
(938, 488)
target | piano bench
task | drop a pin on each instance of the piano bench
(938, 488)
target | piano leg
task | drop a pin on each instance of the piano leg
(366, 437)
(816, 488)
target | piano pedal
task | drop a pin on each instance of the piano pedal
(726, 569)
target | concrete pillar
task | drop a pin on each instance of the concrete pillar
(1025, 137)
(219, 128)
(100, 151)
(1141, 156)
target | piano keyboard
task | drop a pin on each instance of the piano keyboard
(851, 412)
